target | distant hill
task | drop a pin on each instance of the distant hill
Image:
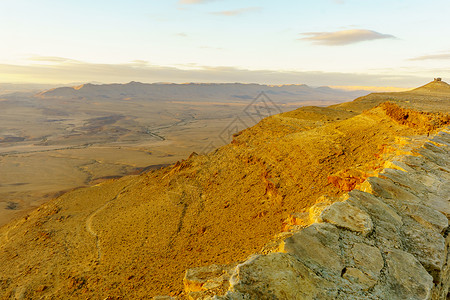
(9, 88)
(436, 86)
(431, 97)
(199, 92)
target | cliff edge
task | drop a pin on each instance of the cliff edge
(135, 237)
(387, 240)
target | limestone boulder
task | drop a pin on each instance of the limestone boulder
(375, 207)
(345, 215)
(440, 200)
(212, 277)
(387, 189)
(434, 156)
(400, 178)
(387, 236)
(428, 246)
(317, 246)
(358, 277)
(278, 276)
(426, 216)
(440, 140)
(368, 259)
(406, 277)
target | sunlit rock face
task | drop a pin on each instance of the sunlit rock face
(389, 241)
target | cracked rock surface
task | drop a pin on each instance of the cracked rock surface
(389, 241)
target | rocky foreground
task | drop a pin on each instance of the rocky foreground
(310, 178)
(387, 240)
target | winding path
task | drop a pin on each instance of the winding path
(90, 218)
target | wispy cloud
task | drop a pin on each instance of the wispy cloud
(49, 59)
(443, 56)
(193, 1)
(140, 62)
(211, 48)
(76, 71)
(344, 37)
(230, 13)
(181, 34)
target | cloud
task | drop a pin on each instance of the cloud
(230, 13)
(49, 59)
(443, 56)
(193, 1)
(76, 71)
(140, 62)
(210, 48)
(181, 34)
(344, 37)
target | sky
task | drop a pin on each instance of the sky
(401, 43)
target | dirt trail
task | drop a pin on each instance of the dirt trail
(4, 237)
(90, 218)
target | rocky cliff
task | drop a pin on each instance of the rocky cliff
(387, 240)
(310, 177)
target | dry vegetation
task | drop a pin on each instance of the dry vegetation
(134, 237)
(65, 138)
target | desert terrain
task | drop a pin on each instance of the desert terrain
(135, 237)
(59, 139)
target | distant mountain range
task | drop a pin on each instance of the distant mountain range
(10, 88)
(200, 92)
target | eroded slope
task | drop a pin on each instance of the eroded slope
(135, 237)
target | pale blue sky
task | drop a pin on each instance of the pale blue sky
(322, 42)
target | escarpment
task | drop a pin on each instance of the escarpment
(387, 240)
(329, 183)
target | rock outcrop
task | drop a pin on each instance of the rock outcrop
(387, 240)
